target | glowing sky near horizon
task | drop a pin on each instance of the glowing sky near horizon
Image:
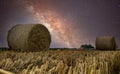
(70, 22)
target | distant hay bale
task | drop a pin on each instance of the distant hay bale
(29, 37)
(105, 43)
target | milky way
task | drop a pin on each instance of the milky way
(57, 25)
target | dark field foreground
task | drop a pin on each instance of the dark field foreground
(61, 62)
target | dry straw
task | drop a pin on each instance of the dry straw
(40, 63)
(5, 72)
(29, 37)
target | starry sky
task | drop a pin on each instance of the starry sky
(70, 22)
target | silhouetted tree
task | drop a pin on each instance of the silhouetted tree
(87, 46)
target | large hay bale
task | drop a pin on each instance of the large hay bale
(29, 37)
(105, 43)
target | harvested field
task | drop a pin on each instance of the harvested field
(61, 62)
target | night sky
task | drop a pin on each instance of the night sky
(70, 22)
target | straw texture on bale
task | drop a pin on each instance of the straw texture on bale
(29, 37)
(105, 43)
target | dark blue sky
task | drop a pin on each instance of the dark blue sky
(91, 17)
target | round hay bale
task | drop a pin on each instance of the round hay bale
(29, 37)
(105, 43)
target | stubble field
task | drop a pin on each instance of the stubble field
(61, 62)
